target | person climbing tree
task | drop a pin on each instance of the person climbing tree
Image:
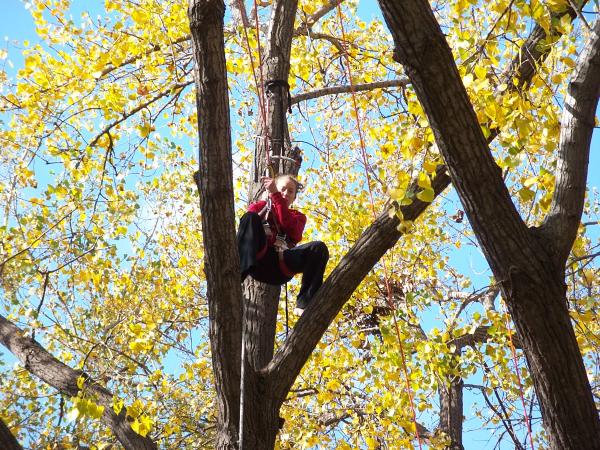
(267, 238)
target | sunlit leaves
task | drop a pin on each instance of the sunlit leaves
(100, 218)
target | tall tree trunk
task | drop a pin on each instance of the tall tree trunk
(528, 263)
(260, 413)
(451, 412)
(215, 183)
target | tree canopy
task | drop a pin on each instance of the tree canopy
(104, 296)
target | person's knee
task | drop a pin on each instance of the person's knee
(250, 217)
(321, 249)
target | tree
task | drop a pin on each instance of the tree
(529, 263)
(114, 295)
(570, 415)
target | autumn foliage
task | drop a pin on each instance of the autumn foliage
(101, 250)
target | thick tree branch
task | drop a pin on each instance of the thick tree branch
(577, 126)
(401, 82)
(7, 440)
(287, 360)
(337, 289)
(215, 183)
(531, 277)
(478, 336)
(63, 378)
(428, 61)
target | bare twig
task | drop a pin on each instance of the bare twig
(400, 82)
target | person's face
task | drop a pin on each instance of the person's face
(288, 189)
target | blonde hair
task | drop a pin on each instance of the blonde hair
(299, 186)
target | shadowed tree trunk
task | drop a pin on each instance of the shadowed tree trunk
(451, 412)
(7, 440)
(528, 263)
(43, 365)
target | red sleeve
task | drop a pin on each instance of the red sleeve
(291, 222)
(257, 206)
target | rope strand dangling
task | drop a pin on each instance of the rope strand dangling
(287, 320)
(365, 158)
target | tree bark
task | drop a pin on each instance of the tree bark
(577, 126)
(215, 183)
(63, 378)
(265, 387)
(451, 412)
(7, 440)
(260, 421)
(531, 275)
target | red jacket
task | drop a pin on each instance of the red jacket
(290, 222)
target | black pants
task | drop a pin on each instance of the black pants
(309, 259)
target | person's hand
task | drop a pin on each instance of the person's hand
(269, 184)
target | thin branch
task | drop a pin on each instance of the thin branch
(337, 43)
(127, 115)
(39, 308)
(110, 68)
(241, 8)
(580, 15)
(309, 22)
(26, 249)
(583, 258)
(401, 82)
(507, 426)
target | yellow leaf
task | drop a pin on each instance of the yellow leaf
(117, 405)
(530, 181)
(135, 410)
(526, 194)
(569, 62)
(429, 166)
(426, 195)
(424, 181)
(397, 194)
(481, 72)
(372, 444)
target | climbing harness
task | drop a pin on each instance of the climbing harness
(281, 243)
(386, 278)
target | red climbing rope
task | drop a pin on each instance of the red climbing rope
(515, 363)
(365, 158)
(259, 86)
